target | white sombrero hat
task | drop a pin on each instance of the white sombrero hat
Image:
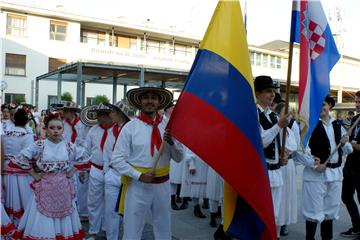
(134, 95)
(69, 106)
(88, 117)
(88, 114)
(124, 107)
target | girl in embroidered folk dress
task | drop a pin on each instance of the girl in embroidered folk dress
(51, 213)
(16, 180)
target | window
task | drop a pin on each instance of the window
(181, 50)
(252, 56)
(153, 46)
(51, 100)
(93, 37)
(258, 59)
(55, 63)
(10, 97)
(90, 101)
(16, 25)
(15, 64)
(278, 62)
(58, 30)
(123, 41)
(272, 61)
(265, 60)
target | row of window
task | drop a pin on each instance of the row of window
(265, 60)
(15, 64)
(17, 26)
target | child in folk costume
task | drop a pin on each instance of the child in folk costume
(215, 194)
(288, 210)
(16, 180)
(198, 177)
(175, 167)
(7, 227)
(51, 212)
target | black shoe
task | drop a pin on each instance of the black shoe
(350, 233)
(197, 212)
(218, 213)
(185, 204)
(213, 222)
(205, 204)
(284, 231)
(173, 203)
(220, 234)
(178, 199)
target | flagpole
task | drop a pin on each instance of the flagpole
(287, 94)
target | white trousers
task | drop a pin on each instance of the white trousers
(96, 199)
(276, 197)
(112, 218)
(321, 200)
(82, 195)
(141, 199)
(214, 206)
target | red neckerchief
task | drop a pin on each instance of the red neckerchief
(116, 131)
(104, 136)
(72, 125)
(155, 135)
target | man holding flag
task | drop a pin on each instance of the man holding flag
(145, 189)
(318, 55)
(223, 113)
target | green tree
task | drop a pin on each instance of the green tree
(19, 99)
(101, 99)
(66, 96)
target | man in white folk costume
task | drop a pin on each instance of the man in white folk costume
(322, 177)
(145, 190)
(99, 142)
(121, 113)
(271, 128)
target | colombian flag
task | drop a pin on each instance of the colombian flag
(216, 117)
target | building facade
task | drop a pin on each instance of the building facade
(37, 41)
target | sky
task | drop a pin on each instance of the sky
(267, 19)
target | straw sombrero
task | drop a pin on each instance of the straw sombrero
(124, 107)
(88, 117)
(69, 106)
(134, 95)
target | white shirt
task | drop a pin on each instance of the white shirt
(330, 174)
(93, 141)
(7, 124)
(80, 131)
(133, 149)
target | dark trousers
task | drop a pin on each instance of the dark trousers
(351, 183)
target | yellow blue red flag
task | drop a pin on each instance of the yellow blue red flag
(216, 118)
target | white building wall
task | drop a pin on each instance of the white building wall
(38, 48)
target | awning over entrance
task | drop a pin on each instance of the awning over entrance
(83, 72)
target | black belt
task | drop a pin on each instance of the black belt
(272, 167)
(333, 165)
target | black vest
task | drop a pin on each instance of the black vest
(353, 159)
(320, 144)
(266, 124)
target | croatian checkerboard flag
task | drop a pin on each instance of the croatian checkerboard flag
(318, 55)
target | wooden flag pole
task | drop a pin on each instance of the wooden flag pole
(287, 95)
(161, 149)
(339, 145)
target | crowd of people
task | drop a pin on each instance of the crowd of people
(115, 164)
